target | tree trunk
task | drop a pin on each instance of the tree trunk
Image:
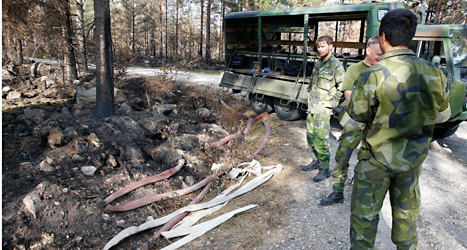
(104, 75)
(133, 29)
(81, 55)
(20, 51)
(438, 8)
(208, 31)
(176, 30)
(166, 29)
(70, 73)
(160, 28)
(201, 30)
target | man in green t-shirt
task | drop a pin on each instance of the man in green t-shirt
(373, 54)
(339, 173)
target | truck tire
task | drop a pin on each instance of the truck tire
(439, 133)
(262, 105)
(287, 112)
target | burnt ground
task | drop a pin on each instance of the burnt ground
(45, 147)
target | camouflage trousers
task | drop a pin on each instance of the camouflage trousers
(371, 183)
(318, 127)
(347, 143)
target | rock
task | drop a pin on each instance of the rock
(80, 147)
(152, 124)
(46, 167)
(13, 95)
(84, 95)
(76, 82)
(6, 89)
(70, 132)
(47, 82)
(121, 128)
(13, 69)
(158, 114)
(35, 115)
(163, 154)
(111, 161)
(7, 75)
(77, 158)
(65, 111)
(39, 68)
(124, 109)
(133, 153)
(120, 223)
(94, 140)
(33, 204)
(189, 180)
(88, 170)
(86, 78)
(106, 216)
(204, 112)
(49, 159)
(149, 218)
(55, 138)
(217, 128)
(166, 108)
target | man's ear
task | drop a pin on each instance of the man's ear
(382, 39)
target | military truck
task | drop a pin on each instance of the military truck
(269, 55)
(446, 47)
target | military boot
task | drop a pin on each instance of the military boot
(322, 175)
(335, 197)
(312, 166)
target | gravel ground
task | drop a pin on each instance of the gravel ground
(442, 223)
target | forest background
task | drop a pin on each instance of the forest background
(171, 31)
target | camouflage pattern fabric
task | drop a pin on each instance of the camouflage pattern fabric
(394, 107)
(325, 86)
(318, 127)
(347, 143)
(371, 184)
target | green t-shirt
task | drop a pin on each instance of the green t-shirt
(351, 75)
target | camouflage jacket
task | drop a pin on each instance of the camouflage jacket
(325, 86)
(394, 108)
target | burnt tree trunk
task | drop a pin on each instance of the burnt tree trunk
(20, 51)
(176, 30)
(70, 73)
(81, 55)
(160, 28)
(201, 31)
(104, 71)
(166, 29)
(208, 31)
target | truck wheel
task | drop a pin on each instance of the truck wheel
(439, 133)
(262, 105)
(287, 112)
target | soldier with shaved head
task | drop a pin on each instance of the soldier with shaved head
(392, 110)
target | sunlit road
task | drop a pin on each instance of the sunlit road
(198, 78)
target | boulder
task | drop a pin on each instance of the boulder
(55, 138)
(33, 203)
(35, 115)
(13, 95)
(88, 170)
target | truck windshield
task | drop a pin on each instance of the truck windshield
(459, 53)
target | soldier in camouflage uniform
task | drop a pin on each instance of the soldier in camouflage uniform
(345, 149)
(394, 108)
(324, 94)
